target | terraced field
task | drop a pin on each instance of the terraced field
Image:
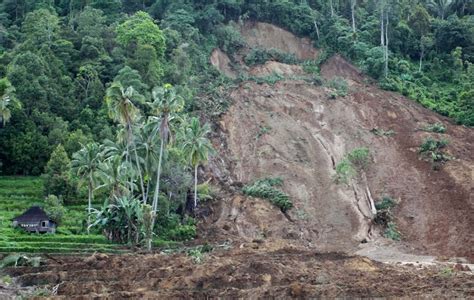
(18, 194)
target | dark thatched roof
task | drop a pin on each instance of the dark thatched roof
(32, 215)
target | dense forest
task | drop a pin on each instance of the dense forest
(107, 94)
(59, 57)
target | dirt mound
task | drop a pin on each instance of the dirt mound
(273, 67)
(221, 61)
(246, 271)
(293, 131)
(268, 36)
(337, 66)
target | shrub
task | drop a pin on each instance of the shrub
(54, 208)
(344, 171)
(385, 204)
(359, 157)
(259, 56)
(392, 232)
(205, 192)
(356, 160)
(183, 233)
(432, 150)
(265, 188)
(340, 87)
(229, 38)
(436, 127)
(382, 132)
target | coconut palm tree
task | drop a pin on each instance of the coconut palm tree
(165, 102)
(123, 110)
(84, 164)
(440, 7)
(196, 147)
(7, 100)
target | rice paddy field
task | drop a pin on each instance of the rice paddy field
(17, 194)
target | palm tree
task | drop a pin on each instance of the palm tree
(147, 141)
(7, 100)
(123, 110)
(113, 172)
(440, 7)
(165, 102)
(196, 147)
(85, 163)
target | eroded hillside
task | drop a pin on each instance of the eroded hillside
(298, 129)
(293, 130)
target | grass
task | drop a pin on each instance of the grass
(17, 194)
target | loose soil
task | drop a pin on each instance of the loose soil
(247, 271)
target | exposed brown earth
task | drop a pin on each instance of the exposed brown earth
(268, 36)
(293, 130)
(244, 272)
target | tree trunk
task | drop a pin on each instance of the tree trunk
(421, 60)
(332, 8)
(353, 4)
(382, 42)
(386, 47)
(317, 28)
(157, 186)
(195, 185)
(140, 175)
(89, 206)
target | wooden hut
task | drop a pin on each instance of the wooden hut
(35, 220)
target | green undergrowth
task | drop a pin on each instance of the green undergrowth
(17, 194)
(352, 164)
(266, 188)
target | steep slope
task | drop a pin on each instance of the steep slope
(294, 131)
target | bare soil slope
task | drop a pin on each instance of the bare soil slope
(294, 131)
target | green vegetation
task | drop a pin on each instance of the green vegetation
(436, 127)
(59, 59)
(354, 162)
(384, 218)
(382, 132)
(17, 194)
(392, 232)
(339, 87)
(259, 56)
(265, 188)
(433, 151)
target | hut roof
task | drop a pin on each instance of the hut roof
(33, 214)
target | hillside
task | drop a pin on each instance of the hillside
(307, 134)
(295, 130)
(237, 149)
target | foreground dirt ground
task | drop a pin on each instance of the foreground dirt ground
(247, 271)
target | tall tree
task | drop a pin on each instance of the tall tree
(123, 110)
(165, 102)
(440, 7)
(196, 147)
(85, 164)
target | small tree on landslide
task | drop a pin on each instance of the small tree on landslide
(56, 176)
